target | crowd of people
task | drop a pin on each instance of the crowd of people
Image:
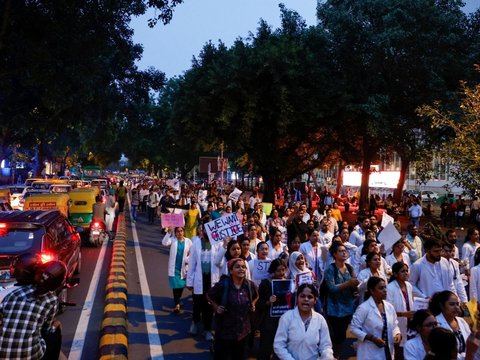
(408, 301)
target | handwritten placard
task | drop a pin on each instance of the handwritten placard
(260, 269)
(267, 208)
(226, 226)
(172, 220)
(305, 278)
(283, 303)
(235, 194)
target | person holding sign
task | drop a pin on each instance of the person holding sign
(177, 262)
(299, 273)
(302, 333)
(267, 299)
(259, 265)
(233, 300)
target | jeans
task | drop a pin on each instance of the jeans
(134, 212)
(151, 214)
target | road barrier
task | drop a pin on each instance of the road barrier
(114, 334)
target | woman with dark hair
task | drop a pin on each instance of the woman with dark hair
(422, 322)
(231, 249)
(470, 246)
(398, 254)
(302, 333)
(275, 244)
(445, 305)
(374, 262)
(442, 345)
(177, 262)
(375, 324)
(400, 295)
(268, 323)
(192, 219)
(341, 281)
(233, 301)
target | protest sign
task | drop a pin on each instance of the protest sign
(172, 220)
(235, 194)
(267, 208)
(389, 236)
(386, 219)
(283, 303)
(420, 304)
(226, 226)
(260, 269)
(304, 278)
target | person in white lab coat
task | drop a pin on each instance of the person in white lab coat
(374, 261)
(400, 295)
(423, 322)
(375, 324)
(302, 333)
(202, 275)
(445, 305)
(475, 277)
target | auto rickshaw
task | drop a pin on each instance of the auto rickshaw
(5, 195)
(81, 210)
(48, 202)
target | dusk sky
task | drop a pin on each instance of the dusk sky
(170, 48)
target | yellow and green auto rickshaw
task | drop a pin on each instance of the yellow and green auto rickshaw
(81, 209)
(48, 202)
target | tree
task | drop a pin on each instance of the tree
(394, 56)
(462, 147)
(68, 74)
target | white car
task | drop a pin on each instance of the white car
(428, 195)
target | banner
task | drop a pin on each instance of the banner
(260, 269)
(283, 303)
(226, 226)
(172, 220)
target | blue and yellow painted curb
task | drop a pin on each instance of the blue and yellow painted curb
(114, 334)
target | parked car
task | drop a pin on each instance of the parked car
(48, 233)
(428, 195)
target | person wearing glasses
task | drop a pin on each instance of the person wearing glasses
(422, 322)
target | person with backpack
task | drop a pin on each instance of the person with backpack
(341, 292)
(233, 301)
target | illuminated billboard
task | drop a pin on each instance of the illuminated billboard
(380, 179)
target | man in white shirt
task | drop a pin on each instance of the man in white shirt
(357, 237)
(431, 273)
(413, 245)
(325, 235)
(448, 252)
(415, 212)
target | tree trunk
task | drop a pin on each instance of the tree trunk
(339, 177)
(367, 158)
(39, 160)
(401, 181)
(270, 184)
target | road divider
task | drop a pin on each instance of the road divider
(114, 332)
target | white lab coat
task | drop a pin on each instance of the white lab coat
(463, 326)
(391, 259)
(475, 282)
(396, 298)
(427, 278)
(315, 259)
(454, 271)
(363, 277)
(195, 275)
(368, 320)
(292, 342)
(170, 240)
(414, 349)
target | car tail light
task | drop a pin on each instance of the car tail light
(96, 224)
(46, 257)
(3, 226)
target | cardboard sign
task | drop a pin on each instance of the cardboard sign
(260, 269)
(172, 220)
(304, 278)
(420, 304)
(226, 226)
(386, 219)
(389, 236)
(267, 208)
(235, 194)
(281, 289)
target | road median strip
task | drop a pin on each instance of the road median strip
(114, 334)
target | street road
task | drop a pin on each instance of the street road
(81, 323)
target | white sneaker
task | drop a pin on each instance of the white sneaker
(193, 329)
(208, 336)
